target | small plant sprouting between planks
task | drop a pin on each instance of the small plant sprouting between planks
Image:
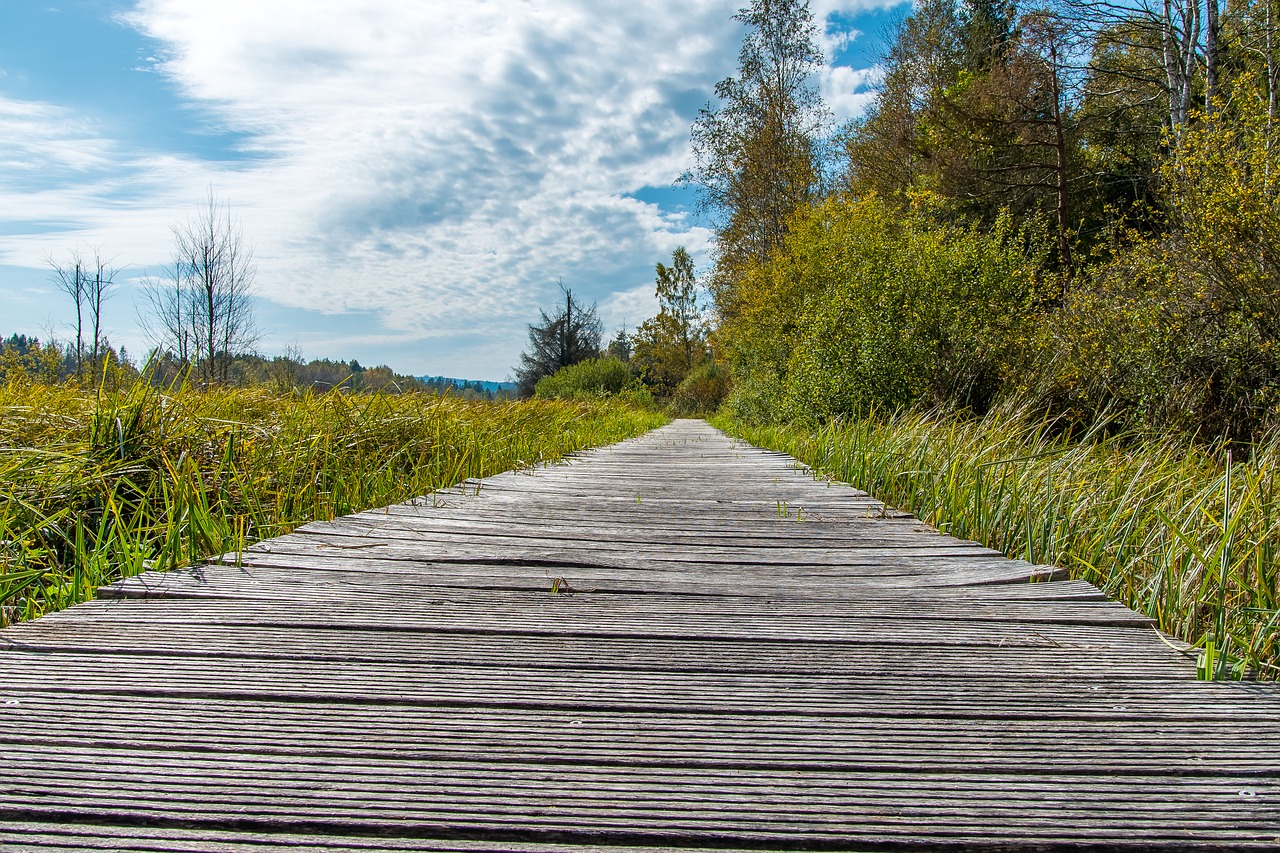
(95, 487)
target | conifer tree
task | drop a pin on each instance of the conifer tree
(568, 336)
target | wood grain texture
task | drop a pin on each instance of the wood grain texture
(738, 656)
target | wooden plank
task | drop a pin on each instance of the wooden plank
(150, 839)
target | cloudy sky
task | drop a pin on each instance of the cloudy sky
(414, 175)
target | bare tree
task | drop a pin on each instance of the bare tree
(100, 281)
(286, 369)
(70, 277)
(202, 307)
(166, 321)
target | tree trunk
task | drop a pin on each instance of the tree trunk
(1179, 37)
(79, 286)
(1060, 157)
(1211, 53)
(211, 335)
(1271, 92)
(95, 306)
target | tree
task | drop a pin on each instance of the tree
(285, 369)
(621, 346)
(678, 294)
(1023, 126)
(1178, 41)
(89, 281)
(570, 335)
(1119, 119)
(885, 148)
(670, 345)
(70, 277)
(1042, 116)
(24, 359)
(909, 140)
(987, 32)
(202, 307)
(758, 153)
(100, 283)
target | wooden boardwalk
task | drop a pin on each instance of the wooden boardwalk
(739, 657)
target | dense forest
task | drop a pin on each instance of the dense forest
(1068, 207)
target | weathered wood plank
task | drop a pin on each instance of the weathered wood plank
(147, 839)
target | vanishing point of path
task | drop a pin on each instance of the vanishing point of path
(737, 656)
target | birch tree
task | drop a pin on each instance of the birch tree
(758, 150)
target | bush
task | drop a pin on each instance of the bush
(869, 307)
(1146, 344)
(595, 377)
(702, 391)
(753, 399)
(1181, 331)
(638, 396)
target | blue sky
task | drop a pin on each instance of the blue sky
(414, 176)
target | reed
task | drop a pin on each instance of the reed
(1175, 530)
(94, 487)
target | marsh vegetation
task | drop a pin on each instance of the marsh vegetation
(100, 484)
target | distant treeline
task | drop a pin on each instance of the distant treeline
(24, 357)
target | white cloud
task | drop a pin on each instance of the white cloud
(629, 308)
(444, 163)
(438, 164)
(849, 91)
(823, 9)
(36, 137)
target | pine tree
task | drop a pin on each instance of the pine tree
(570, 335)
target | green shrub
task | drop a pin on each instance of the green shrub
(595, 377)
(753, 398)
(702, 391)
(1181, 331)
(638, 396)
(869, 307)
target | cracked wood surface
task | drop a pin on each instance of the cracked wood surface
(739, 656)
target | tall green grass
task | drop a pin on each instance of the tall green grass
(1174, 530)
(94, 487)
